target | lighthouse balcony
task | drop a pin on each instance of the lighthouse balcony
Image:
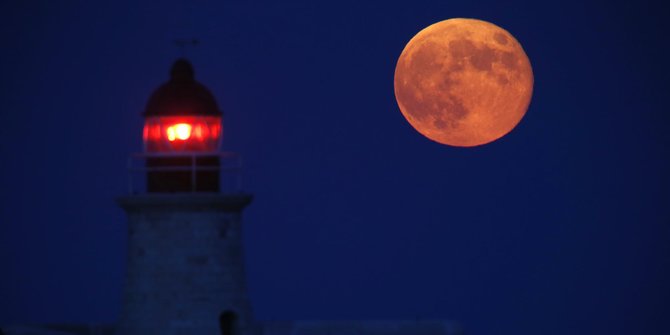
(184, 172)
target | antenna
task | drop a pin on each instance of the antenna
(184, 43)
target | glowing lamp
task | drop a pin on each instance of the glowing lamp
(179, 131)
(182, 135)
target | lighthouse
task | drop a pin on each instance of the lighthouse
(185, 265)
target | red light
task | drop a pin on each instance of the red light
(181, 131)
(197, 131)
(182, 134)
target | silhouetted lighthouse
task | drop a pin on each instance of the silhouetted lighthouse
(185, 272)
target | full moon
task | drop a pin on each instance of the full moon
(463, 82)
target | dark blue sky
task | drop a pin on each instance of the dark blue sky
(561, 227)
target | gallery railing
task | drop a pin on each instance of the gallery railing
(190, 172)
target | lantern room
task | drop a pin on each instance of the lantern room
(182, 135)
(182, 115)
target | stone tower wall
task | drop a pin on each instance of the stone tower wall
(185, 265)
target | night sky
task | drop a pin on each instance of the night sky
(560, 227)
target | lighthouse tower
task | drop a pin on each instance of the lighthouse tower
(185, 272)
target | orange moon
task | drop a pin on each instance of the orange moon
(463, 82)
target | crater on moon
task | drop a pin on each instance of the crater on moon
(463, 82)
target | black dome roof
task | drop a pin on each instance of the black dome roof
(182, 95)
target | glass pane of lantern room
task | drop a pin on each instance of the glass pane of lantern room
(181, 134)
